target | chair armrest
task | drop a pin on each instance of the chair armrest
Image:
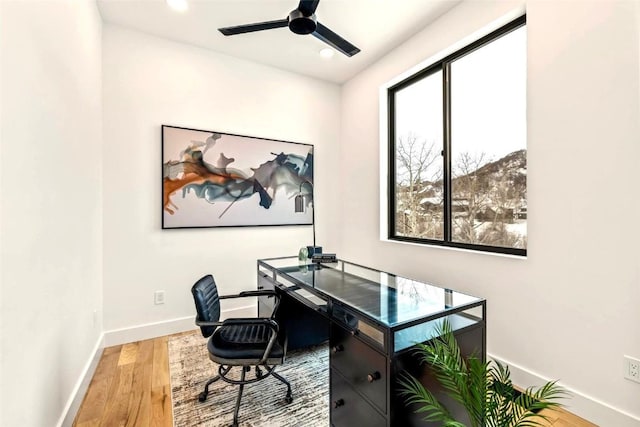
(258, 293)
(267, 293)
(203, 323)
(249, 294)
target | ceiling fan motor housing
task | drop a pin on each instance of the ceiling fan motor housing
(301, 24)
(300, 21)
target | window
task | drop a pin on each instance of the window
(457, 141)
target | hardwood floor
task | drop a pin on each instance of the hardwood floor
(131, 388)
(563, 418)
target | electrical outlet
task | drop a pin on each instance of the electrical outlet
(158, 297)
(632, 369)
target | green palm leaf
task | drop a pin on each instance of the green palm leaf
(484, 389)
(415, 393)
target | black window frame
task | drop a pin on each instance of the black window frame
(443, 65)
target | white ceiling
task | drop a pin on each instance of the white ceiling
(374, 26)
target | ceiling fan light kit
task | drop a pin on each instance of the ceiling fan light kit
(327, 53)
(300, 21)
(178, 5)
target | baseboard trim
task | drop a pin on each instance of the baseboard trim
(82, 385)
(166, 327)
(587, 407)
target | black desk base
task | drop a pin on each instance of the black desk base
(363, 389)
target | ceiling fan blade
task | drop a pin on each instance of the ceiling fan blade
(308, 7)
(250, 28)
(334, 40)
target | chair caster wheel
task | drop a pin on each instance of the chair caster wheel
(259, 373)
(288, 399)
(202, 397)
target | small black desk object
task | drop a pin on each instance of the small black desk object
(373, 320)
(327, 258)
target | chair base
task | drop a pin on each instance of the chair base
(288, 398)
(223, 370)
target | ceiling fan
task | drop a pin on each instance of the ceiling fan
(301, 21)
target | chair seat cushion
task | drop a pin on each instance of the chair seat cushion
(243, 342)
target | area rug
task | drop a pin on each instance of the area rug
(262, 403)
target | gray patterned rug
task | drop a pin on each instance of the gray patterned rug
(262, 402)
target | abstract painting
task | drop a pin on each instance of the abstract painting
(215, 179)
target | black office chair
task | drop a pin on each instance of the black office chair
(244, 343)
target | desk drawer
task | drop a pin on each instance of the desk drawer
(349, 409)
(361, 365)
(353, 323)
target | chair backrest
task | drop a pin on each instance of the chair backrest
(205, 295)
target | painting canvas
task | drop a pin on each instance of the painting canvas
(215, 179)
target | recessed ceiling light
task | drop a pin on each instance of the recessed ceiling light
(178, 5)
(327, 53)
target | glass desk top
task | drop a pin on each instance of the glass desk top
(388, 299)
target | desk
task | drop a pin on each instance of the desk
(372, 320)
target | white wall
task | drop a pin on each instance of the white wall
(568, 311)
(149, 82)
(51, 211)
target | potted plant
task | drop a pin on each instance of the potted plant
(484, 389)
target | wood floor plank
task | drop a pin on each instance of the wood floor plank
(561, 422)
(552, 417)
(160, 376)
(128, 353)
(562, 418)
(572, 420)
(162, 412)
(115, 413)
(112, 349)
(139, 410)
(95, 400)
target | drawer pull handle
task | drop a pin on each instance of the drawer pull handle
(373, 377)
(337, 349)
(260, 287)
(338, 403)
